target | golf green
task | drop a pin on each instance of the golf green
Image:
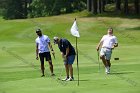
(20, 71)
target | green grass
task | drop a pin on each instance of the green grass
(20, 72)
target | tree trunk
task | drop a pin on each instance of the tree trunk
(94, 6)
(25, 9)
(103, 5)
(118, 5)
(99, 6)
(137, 7)
(126, 11)
(89, 5)
(109, 1)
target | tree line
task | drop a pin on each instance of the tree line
(17, 9)
(120, 6)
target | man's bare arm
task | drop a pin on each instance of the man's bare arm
(67, 51)
(52, 49)
(37, 51)
(98, 46)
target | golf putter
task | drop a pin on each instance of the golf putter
(53, 55)
(98, 61)
(60, 77)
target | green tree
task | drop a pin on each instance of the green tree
(89, 5)
(118, 5)
(38, 8)
(94, 6)
(2, 6)
(126, 7)
(14, 9)
(137, 6)
(57, 6)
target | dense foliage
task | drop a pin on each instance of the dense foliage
(16, 9)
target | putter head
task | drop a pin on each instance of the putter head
(59, 78)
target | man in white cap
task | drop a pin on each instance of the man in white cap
(42, 49)
(68, 54)
(107, 43)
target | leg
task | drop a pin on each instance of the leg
(42, 69)
(70, 62)
(108, 63)
(103, 60)
(42, 63)
(71, 70)
(48, 58)
(108, 66)
(108, 57)
(51, 66)
(102, 56)
(67, 70)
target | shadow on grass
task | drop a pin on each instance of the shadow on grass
(11, 67)
(82, 80)
(135, 28)
(118, 73)
(18, 75)
(112, 14)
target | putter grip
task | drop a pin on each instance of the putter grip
(54, 56)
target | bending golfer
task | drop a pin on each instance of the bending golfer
(68, 54)
(107, 43)
(42, 49)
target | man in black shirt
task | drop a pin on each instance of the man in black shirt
(68, 54)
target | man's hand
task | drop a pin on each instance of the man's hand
(64, 58)
(115, 45)
(37, 58)
(97, 48)
(53, 54)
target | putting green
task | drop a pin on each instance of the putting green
(20, 72)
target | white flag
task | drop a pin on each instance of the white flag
(74, 30)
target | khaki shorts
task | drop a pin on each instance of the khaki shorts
(106, 52)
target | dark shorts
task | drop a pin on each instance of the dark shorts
(70, 60)
(45, 55)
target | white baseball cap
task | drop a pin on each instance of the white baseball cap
(55, 39)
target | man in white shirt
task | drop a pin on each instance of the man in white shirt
(42, 49)
(107, 43)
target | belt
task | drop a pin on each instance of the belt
(107, 48)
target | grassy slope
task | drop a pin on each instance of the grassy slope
(19, 71)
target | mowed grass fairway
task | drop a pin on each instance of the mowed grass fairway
(20, 71)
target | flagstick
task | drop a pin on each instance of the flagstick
(74, 32)
(77, 61)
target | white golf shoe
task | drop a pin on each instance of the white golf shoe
(65, 79)
(70, 79)
(107, 70)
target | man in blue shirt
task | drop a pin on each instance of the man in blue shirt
(68, 54)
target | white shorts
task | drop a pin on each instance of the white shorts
(106, 52)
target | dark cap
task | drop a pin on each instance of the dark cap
(38, 30)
